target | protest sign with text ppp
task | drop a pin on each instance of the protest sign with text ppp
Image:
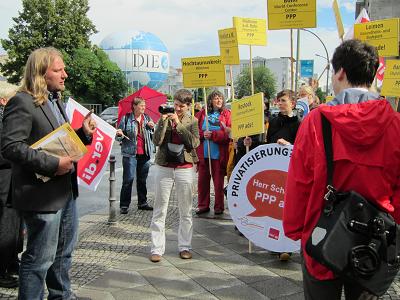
(92, 166)
(248, 116)
(391, 81)
(203, 71)
(251, 31)
(288, 14)
(382, 34)
(228, 46)
(256, 193)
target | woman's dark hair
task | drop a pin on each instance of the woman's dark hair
(211, 96)
(358, 59)
(183, 96)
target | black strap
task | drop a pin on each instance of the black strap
(327, 135)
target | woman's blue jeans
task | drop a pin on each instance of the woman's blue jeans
(137, 165)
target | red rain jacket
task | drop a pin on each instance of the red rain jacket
(366, 146)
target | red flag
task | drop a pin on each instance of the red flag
(362, 18)
(380, 72)
(92, 166)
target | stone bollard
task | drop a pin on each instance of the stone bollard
(112, 215)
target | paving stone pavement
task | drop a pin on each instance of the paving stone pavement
(111, 263)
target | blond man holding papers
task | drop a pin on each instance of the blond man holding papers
(48, 208)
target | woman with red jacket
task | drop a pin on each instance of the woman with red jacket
(217, 117)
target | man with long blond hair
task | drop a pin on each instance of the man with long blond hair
(47, 208)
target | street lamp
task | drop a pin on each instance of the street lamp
(325, 69)
(327, 58)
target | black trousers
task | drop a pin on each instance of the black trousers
(315, 289)
(10, 227)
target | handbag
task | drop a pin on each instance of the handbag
(354, 238)
(175, 153)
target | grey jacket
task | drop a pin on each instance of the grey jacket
(188, 132)
(353, 95)
(130, 128)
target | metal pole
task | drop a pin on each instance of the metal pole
(327, 78)
(297, 61)
(327, 58)
(291, 61)
(112, 215)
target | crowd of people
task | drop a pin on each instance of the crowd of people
(364, 130)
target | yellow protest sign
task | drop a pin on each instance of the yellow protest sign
(203, 71)
(329, 98)
(251, 31)
(228, 46)
(248, 116)
(287, 14)
(338, 18)
(391, 81)
(383, 34)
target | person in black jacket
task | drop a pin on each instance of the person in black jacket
(48, 208)
(10, 221)
(283, 128)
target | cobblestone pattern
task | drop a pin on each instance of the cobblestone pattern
(101, 246)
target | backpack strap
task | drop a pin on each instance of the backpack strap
(330, 195)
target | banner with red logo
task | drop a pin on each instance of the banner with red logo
(380, 73)
(92, 166)
(362, 18)
(256, 191)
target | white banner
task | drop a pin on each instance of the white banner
(92, 166)
(255, 197)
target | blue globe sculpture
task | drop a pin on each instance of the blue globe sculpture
(142, 56)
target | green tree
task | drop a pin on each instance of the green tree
(264, 81)
(93, 78)
(199, 94)
(321, 95)
(62, 24)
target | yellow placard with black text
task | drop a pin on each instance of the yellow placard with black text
(288, 14)
(203, 71)
(382, 34)
(338, 18)
(248, 116)
(391, 81)
(228, 46)
(251, 31)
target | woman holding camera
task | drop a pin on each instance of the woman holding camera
(177, 137)
(214, 145)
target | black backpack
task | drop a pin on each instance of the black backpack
(353, 237)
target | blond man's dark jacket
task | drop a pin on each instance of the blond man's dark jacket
(24, 123)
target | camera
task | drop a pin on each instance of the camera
(166, 109)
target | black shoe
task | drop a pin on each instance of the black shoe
(8, 282)
(123, 210)
(145, 207)
(13, 268)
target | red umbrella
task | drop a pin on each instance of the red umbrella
(153, 100)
